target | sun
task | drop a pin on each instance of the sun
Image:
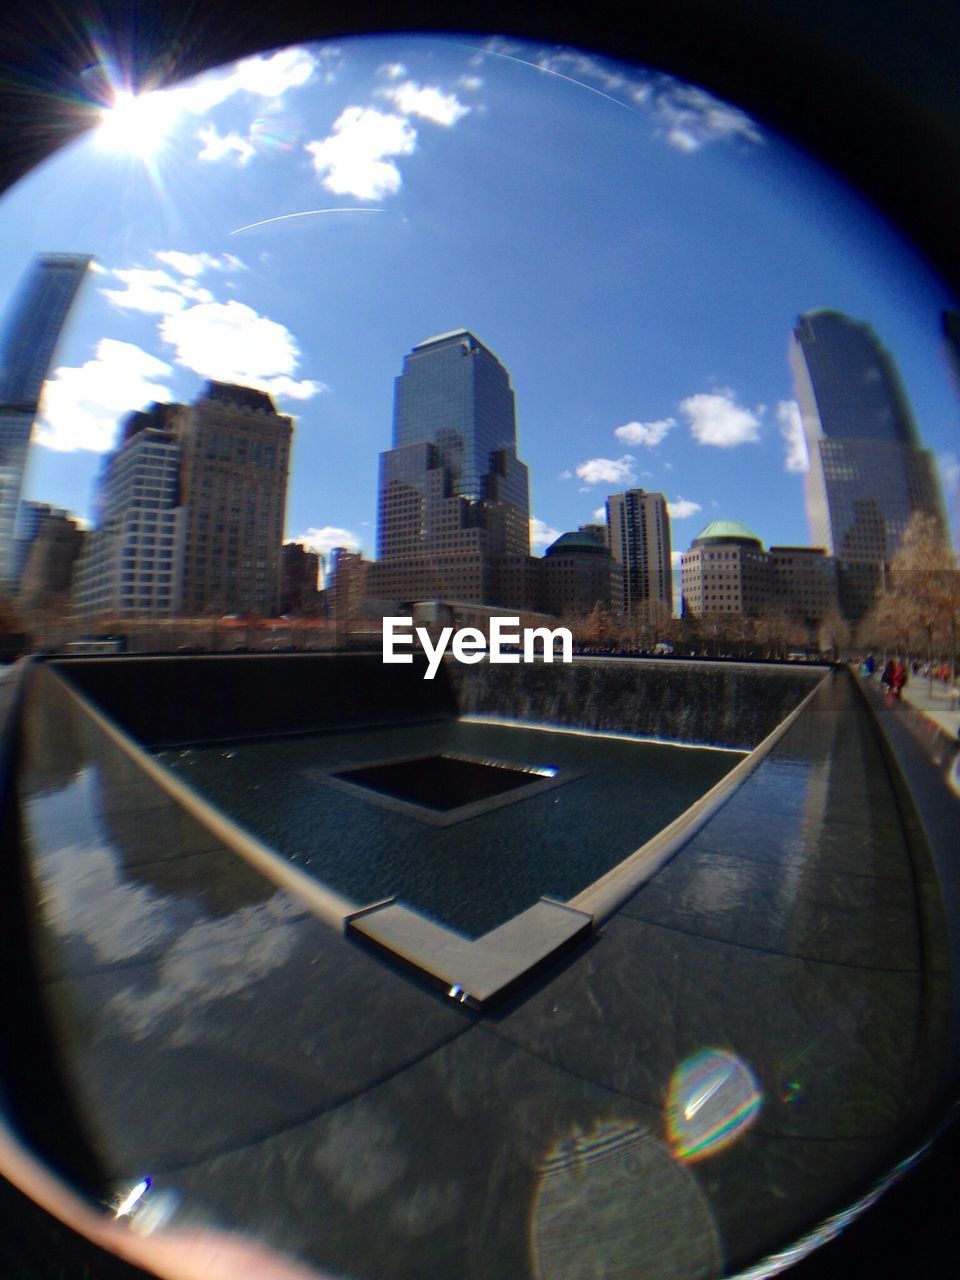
(137, 124)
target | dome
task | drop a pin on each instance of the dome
(726, 531)
(578, 541)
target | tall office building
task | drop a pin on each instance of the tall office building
(26, 353)
(131, 562)
(235, 464)
(44, 586)
(868, 474)
(727, 571)
(639, 539)
(454, 505)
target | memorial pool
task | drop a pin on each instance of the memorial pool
(593, 802)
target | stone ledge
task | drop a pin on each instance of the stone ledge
(475, 972)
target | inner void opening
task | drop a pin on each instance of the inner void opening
(353, 809)
(444, 784)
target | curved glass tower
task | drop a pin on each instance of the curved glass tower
(868, 474)
(27, 346)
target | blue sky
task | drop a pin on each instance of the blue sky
(633, 251)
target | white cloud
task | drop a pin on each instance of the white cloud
(354, 158)
(716, 419)
(646, 433)
(216, 145)
(194, 264)
(471, 83)
(607, 470)
(581, 66)
(426, 101)
(153, 291)
(274, 74)
(600, 514)
(682, 508)
(541, 535)
(791, 428)
(392, 70)
(675, 557)
(687, 118)
(81, 406)
(230, 342)
(150, 117)
(266, 76)
(949, 466)
(691, 118)
(326, 538)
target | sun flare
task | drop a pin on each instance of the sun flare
(137, 124)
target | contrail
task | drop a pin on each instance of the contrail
(307, 213)
(537, 66)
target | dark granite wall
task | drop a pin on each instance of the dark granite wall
(191, 698)
(188, 699)
(724, 704)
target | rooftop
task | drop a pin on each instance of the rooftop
(726, 531)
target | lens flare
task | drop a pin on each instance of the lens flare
(137, 124)
(713, 1097)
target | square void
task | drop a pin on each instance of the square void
(442, 789)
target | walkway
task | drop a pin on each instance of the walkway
(936, 704)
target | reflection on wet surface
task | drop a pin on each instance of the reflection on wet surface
(271, 1077)
(483, 871)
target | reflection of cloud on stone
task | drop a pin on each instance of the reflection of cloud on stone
(85, 898)
(613, 1202)
(209, 961)
(360, 1154)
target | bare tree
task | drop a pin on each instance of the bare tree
(925, 584)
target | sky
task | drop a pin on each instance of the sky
(634, 252)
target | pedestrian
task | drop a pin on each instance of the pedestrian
(886, 680)
(899, 677)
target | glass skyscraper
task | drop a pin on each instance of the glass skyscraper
(868, 474)
(454, 496)
(27, 348)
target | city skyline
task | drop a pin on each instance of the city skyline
(634, 252)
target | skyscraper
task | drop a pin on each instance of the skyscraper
(235, 464)
(454, 497)
(130, 566)
(868, 474)
(27, 349)
(639, 539)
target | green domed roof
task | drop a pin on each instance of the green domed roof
(578, 541)
(725, 531)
